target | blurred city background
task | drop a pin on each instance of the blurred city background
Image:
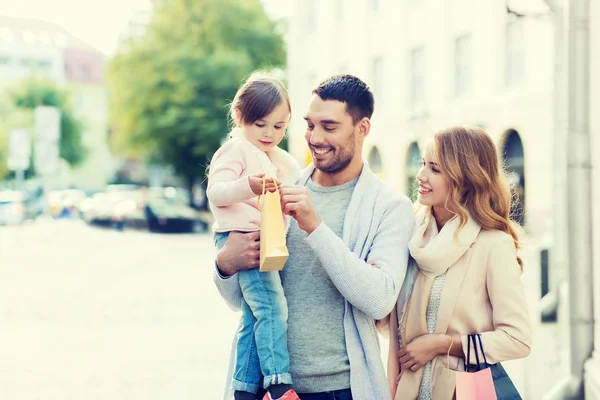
(110, 112)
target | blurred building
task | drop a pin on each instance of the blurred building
(136, 27)
(43, 49)
(433, 64)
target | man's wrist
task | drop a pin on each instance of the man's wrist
(223, 272)
(312, 226)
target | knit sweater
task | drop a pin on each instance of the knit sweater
(367, 265)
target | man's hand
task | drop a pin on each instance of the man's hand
(256, 184)
(423, 349)
(240, 252)
(296, 202)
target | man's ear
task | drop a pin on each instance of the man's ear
(364, 127)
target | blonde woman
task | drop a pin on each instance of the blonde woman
(468, 274)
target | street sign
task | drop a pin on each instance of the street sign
(46, 158)
(47, 135)
(47, 123)
(19, 149)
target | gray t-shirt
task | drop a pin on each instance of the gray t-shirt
(316, 341)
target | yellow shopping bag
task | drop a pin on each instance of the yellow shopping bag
(273, 251)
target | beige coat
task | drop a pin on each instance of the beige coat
(483, 293)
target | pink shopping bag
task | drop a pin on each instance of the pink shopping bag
(475, 385)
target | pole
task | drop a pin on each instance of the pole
(579, 210)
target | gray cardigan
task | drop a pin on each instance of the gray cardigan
(378, 225)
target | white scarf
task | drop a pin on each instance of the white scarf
(436, 251)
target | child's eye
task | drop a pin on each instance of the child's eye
(260, 125)
(278, 127)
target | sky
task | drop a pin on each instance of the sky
(96, 22)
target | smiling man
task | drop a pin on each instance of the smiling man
(348, 244)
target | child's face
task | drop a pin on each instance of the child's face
(267, 132)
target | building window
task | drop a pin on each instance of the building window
(311, 16)
(375, 162)
(462, 65)
(339, 10)
(417, 77)
(377, 79)
(515, 52)
(44, 64)
(413, 164)
(376, 4)
(27, 62)
(514, 159)
(85, 72)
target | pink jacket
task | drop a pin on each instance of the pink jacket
(231, 200)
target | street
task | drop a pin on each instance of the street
(88, 313)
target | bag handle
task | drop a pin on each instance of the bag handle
(482, 351)
(468, 353)
(475, 349)
(264, 182)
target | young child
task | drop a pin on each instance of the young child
(261, 111)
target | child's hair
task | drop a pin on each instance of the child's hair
(257, 98)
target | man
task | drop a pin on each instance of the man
(348, 244)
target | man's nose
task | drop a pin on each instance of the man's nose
(316, 136)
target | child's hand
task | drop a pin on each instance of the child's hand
(256, 184)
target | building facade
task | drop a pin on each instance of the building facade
(433, 64)
(32, 48)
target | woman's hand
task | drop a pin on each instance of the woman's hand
(423, 349)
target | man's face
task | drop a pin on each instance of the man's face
(331, 135)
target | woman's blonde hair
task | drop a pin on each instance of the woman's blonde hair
(478, 184)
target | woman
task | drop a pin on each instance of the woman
(467, 277)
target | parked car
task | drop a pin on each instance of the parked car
(169, 215)
(17, 207)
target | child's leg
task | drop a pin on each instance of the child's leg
(247, 376)
(264, 295)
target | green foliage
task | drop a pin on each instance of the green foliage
(32, 93)
(170, 89)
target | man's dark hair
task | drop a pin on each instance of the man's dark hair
(350, 90)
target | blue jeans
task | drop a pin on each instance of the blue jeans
(261, 349)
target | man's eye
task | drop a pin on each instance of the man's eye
(310, 127)
(328, 129)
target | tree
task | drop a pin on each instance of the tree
(32, 93)
(170, 89)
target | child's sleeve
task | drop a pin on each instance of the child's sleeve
(226, 185)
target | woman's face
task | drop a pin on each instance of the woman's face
(434, 187)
